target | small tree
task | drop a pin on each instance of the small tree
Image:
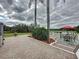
(40, 33)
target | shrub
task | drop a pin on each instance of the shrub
(40, 33)
(77, 30)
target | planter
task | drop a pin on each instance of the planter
(45, 41)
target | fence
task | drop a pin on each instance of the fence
(65, 37)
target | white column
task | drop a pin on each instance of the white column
(1, 34)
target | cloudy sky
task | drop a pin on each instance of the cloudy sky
(62, 12)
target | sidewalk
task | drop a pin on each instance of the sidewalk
(23, 47)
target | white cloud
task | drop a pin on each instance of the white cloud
(68, 15)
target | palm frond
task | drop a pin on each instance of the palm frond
(30, 3)
(42, 1)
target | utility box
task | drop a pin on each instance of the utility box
(1, 34)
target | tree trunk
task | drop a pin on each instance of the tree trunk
(48, 19)
(35, 13)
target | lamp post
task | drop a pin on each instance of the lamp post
(48, 18)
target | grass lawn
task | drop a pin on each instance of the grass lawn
(12, 34)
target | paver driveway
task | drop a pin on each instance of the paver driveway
(23, 47)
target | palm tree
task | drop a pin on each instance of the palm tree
(48, 18)
(42, 1)
(35, 13)
(48, 14)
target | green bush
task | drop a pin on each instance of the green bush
(40, 33)
(77, 30)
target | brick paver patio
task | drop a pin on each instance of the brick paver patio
(23, 47)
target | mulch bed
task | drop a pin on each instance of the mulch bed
(51, 40)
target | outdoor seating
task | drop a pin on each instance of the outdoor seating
(70, 37)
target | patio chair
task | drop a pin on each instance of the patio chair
(67, 37)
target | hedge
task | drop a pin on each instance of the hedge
(40, 33)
